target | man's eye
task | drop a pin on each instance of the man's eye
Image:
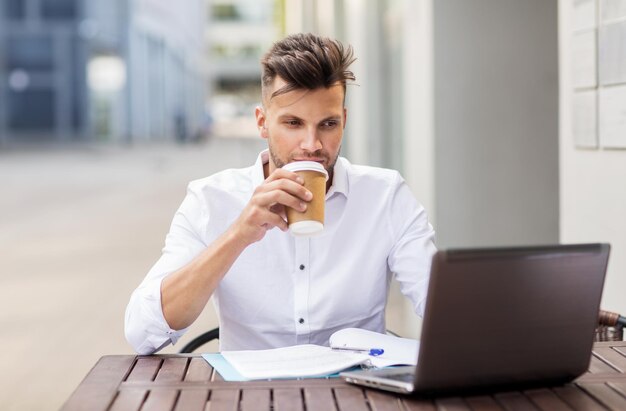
(292, 123)
(329, 124)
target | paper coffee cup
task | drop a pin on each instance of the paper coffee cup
(311, 221)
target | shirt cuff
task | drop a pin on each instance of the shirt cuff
(159, 332)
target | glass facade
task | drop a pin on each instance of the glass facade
(31, 110)
(153, 88)
(59, 10)
(15, 9)
(40, 67)
(29, 52)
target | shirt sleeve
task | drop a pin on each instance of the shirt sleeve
(411, 255)
(145, 328)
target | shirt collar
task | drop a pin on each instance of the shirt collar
(258, 175)
(340, 174)
(340, 178)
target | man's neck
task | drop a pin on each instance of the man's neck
(266, 170)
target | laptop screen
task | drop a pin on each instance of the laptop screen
(505, 316)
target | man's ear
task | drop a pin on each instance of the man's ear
(345, 117)
(259, 113)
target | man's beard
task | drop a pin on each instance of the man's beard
(280, 163)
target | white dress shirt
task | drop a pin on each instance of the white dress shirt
(285, 290)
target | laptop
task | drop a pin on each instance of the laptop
(503, 318)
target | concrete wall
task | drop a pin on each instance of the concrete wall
(593, 184)
(495, 127)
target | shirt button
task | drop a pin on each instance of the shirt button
(302, 266)
(301, 320)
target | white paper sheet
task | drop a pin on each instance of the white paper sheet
(398, 351)
(292, 362)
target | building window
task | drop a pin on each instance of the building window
(14, 9)
(29, 52)
(31, 110)
(58, 9)
(225, 12)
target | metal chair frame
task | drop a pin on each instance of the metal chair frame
(610, 328)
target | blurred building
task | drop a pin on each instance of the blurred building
(79, 70)
(239, 32)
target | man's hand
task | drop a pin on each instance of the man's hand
(266, 208)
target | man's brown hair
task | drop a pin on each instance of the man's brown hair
(306, 61)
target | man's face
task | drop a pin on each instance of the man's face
(303, 125)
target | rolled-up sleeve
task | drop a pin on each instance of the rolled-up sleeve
(411, 255)
(145, 328)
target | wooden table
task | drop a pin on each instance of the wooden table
(187, 382)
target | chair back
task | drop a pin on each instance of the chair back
(610, 327)
(200, 340)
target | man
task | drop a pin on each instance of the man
(229, 239)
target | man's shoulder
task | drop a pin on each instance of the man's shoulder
(370, 175)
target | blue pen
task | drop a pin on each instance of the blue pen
(374, 352)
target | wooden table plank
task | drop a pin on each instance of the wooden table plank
(606, 395)
(215, 376)
(162, 381)
(619, 387)
(350, 399)
(382, 401)
(231, 385)
(160, 400)
(129, 400)
(515, 401)
(319, 399)
(451, 404)
(173, 369)
(418, 404)
(577, 399)
(97, 390)
(483, 403)
(199, 370)
(145, 369)
(597, 366)
(547, 400)
(192, 400)
(258, 399)
(288, 399)
(224, 400)
(609, 344)
(612, 357)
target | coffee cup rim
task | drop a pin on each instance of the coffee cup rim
(306, 166)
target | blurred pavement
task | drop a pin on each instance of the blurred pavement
(79, 228)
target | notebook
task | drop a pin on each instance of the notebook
(503, 318)
(315, 361)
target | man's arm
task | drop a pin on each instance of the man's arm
(185, 293)
(411, 255)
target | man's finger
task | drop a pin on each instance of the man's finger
(280, 210)
(272, 198)
(275, 220)
(288, 186)
(280, 173)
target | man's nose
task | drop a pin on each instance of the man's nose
(311, 141)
